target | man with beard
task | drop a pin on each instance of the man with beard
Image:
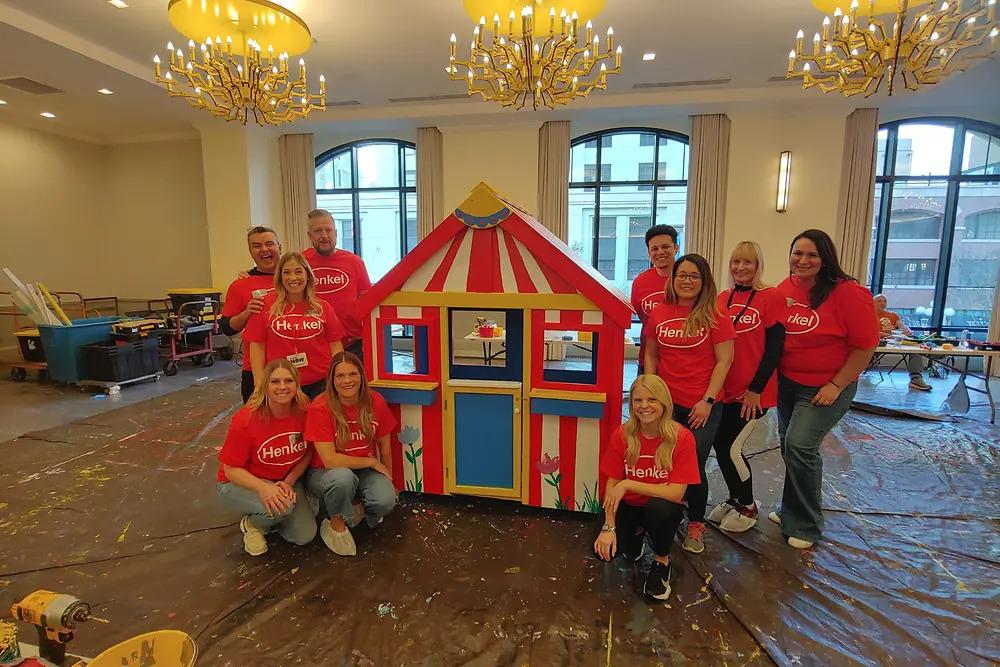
(341, 276)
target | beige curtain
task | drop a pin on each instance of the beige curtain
(857, 188)
(430, 179)
(298, 187)
(553, 177)
(708, 176)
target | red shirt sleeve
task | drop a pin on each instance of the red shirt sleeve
(383, 415)
(723, 329)
(685, 463)
(319, 423)
(773, 303)
(256, 328)
(363, 281)
(858, 310)
(635, 298)
(613, 461)
(234, 303)
(236, 448)
(334, 329)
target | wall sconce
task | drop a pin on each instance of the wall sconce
(784, 179)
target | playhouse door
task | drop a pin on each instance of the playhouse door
(485, 420)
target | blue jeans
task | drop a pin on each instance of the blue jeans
(697, 494)
(802, 427)
(339, 486)
(296, 525)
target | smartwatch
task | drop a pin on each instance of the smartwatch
(709, 399)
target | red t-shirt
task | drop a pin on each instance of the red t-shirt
(239, 294)
(888, 322)
(684, 469)
(341, 280)
(293, 332)
(320, 427)
(266, 448)
(647, 291)
(685, 362)
(817, 342)
(757, 310)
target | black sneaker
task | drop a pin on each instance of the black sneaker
(657, 584)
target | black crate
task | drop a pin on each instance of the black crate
(31, 345)
(124, 361)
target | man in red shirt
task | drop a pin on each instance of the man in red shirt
(341, 276)
(246, 294)
(888, 323)
(647, 288)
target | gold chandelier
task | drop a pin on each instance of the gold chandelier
(554, 69)
(855, 58)
(236, 79)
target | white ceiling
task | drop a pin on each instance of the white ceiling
(375, 50)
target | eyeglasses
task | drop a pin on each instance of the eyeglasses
(688, 277)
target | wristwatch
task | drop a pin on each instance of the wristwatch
(607, 528)
(709, 399)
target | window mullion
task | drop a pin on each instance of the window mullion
(948, 227)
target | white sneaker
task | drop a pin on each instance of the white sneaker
(740, 519)
(254, 542)
(775, 518)
(721, 511)
(799, 544)
(341, 544)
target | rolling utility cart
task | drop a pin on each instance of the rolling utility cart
(192, 317)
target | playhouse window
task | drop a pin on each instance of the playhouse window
(570, 356)
(404, 356)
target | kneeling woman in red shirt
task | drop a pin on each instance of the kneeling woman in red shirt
(350, 425)
(649, 463)
(690, 346)
(295, 324)
(262, 459)
(830, 334)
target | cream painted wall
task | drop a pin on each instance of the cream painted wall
(816, 141)
(505, 157)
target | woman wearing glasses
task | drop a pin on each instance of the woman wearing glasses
(689, 343)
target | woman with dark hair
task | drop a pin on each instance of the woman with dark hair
(349, 425)
(751, 387)
(689, 343)
(830, 335)
(295, 324)
(262, 459)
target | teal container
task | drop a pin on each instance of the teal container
(64, 346)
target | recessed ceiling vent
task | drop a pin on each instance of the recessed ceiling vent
(682, 84)
(27, 85)
(429, 98)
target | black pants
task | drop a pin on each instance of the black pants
(659, 518)
(697, 494)
(729, 452)
(315, 389)
(356, 348)
(246, 385)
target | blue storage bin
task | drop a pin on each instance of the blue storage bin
(64, 346)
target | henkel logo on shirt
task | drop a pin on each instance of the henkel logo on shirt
(647, 471)
(358, 441)
(282, 449)
(671, 334)
(748, 321)
(329, 280)
(649, 302)
(801, 319)
(297, 327)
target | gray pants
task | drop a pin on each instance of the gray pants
(296, 525)
(339, 486)
(915, 364)
(801, 428)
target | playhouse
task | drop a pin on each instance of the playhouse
(520, 410)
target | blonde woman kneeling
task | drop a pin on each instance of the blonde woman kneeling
(649, 462)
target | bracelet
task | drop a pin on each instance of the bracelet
(607, 528)
(835, 384)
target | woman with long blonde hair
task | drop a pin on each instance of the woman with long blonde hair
(751, 385)
(689, 343)
(649, 461)
(262, 459)
(350, 425)
(295, 324)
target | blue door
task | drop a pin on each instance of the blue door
(486, 417)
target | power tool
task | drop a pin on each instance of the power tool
(55, 616)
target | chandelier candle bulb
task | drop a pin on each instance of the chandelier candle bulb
(590, 31)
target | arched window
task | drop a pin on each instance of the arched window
(935, 248)
(623, 181)
(370, 187)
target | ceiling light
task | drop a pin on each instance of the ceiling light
(118, 3)
(105, 91)
(47, 114)
(649, 56)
